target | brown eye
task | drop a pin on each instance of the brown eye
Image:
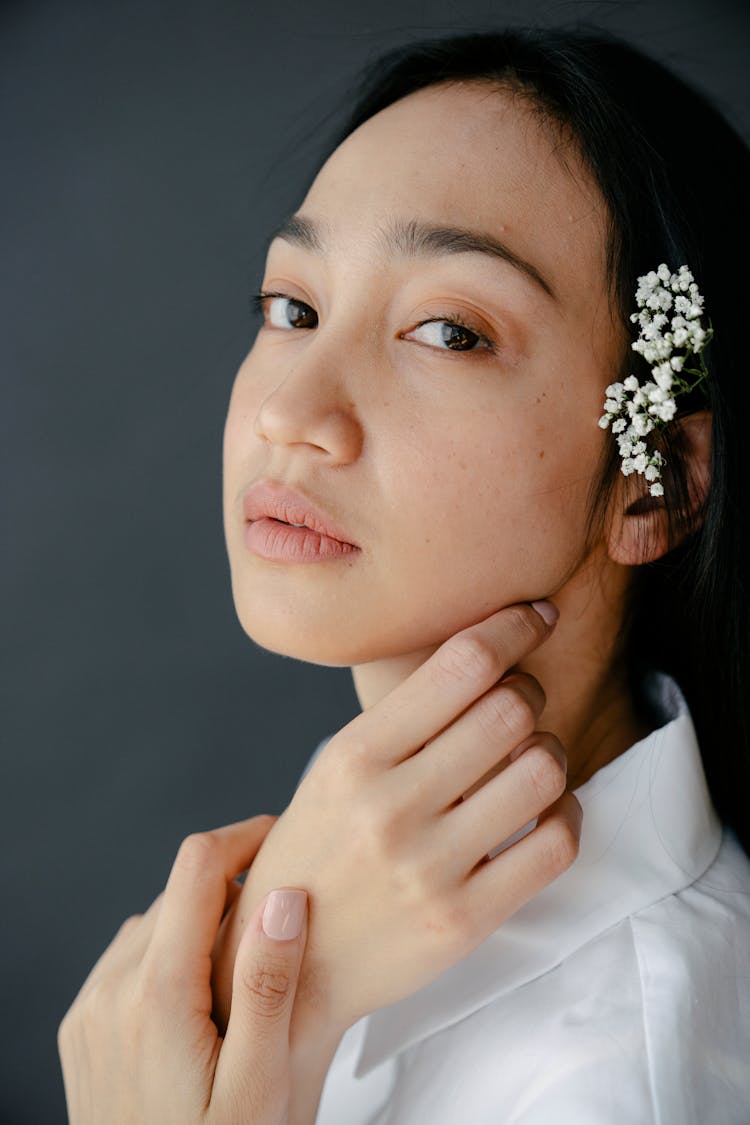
(450, 335)
(458, 338)
(285, 312)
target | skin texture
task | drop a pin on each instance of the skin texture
(498, 450)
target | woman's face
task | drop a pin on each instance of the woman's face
(457, 459)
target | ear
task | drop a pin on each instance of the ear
(639, 526)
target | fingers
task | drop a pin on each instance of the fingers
(466, 666)
(526, 867)
(195, 895)
(477, 742)
(132, 938)
(127, 945)
(264, 983)
(526, 788)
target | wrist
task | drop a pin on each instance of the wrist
(312, 1044)
(311, 1053)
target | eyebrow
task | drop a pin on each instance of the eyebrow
(414, 237)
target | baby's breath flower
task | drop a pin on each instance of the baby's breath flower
(634, 410)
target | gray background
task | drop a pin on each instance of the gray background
(146, 150)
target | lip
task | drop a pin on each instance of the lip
(272, 501)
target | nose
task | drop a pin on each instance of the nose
(310, 407)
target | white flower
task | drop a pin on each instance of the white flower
(665, 410)
(642, 424)
(669, 310)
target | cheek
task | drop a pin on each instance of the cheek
(499, 502)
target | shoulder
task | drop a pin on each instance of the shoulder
(647, 1023)
(693, 958)
(654, 1015)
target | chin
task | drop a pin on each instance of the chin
(337, 641)
(309, 649)
(291, 634)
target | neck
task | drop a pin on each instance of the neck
(581, 668)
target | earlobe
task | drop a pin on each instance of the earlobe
(639, 530)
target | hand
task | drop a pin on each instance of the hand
(138, 1044)
(393, 857)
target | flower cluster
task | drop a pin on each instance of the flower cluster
(670, 332)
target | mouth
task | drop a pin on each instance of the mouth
(282, 524)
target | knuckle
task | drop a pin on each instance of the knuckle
(98, 1002)
(148, 988)
(353, 756)
(267, 987)
(560, 847)
(508, 709)
(154, 982)
(467, 657)
(379, 833)
(343, 762)
(414, 879)
(196, 852)
(130, 923)
(65, 1030)
(545, 773)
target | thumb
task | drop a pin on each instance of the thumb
(255, 1052)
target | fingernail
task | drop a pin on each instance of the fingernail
(547, 611)
(284, 914)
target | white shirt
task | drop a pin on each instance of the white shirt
(619, 995)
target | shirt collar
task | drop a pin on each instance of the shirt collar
(649, 829)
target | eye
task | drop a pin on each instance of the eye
(285, 312)
(450, 333)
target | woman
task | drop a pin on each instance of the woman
(415, 484)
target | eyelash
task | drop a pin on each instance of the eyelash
(258, 302)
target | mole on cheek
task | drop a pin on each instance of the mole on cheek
(541, 454)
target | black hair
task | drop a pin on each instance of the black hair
(676, 180)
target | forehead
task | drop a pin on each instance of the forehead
(470, 155)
